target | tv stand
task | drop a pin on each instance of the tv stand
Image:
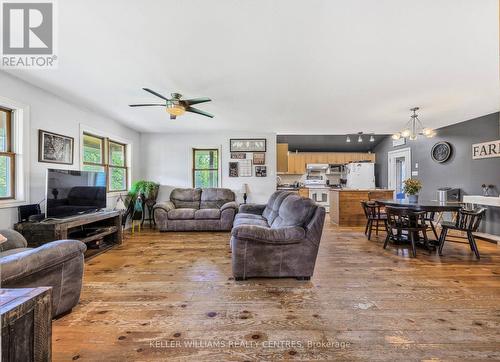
(102, 227)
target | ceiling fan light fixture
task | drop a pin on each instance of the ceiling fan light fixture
(360, 139)
(372, 139)
(175, 109)
(348, 139)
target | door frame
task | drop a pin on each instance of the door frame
(402, 152)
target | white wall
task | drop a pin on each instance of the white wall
(51, 113)
(167, 159)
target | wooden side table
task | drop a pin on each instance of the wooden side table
(26, 317)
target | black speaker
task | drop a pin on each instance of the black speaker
(24, 212)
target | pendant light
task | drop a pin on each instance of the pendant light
(414, 128)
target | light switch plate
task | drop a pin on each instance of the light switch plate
(416, 164)
(414, 173)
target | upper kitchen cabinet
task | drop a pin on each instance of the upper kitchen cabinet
(282, 157)
(294, 163)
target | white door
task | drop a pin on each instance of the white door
(399, 166)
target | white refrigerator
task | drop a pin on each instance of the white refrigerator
(360, 175)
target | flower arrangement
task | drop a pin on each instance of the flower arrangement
(412, 186)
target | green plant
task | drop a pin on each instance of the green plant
(148, 188)
(412, 186)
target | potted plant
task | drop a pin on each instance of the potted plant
(411, 188)
(149, 190)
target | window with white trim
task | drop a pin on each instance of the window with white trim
(7, 156)
(109, 156)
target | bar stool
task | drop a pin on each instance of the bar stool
(404, 219)
(467, 221)
(373, 216)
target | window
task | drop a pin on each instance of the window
(104, 155)
(7, 156)
(205, 168)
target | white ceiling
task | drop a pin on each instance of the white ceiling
(286, 66)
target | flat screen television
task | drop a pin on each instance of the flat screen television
(72, 193)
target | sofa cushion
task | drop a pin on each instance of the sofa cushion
(294, 210)
(273, 205)
(266, 234)
(181, 214)
(214, 198)
(207, 214)
(244, 215)
(186, 198)
(250, 221)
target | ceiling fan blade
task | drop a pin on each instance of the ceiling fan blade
(172, 116)
(145, 105)
(195, 110)
(156, 94)
(193, 101)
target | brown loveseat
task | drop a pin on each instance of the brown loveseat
(280, 239)
(197, 209)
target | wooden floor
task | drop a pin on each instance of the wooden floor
(170, 296)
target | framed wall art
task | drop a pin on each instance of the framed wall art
(247, 145)
(260, 171)
(259, 158)
(245, 168)
(238, 155)
(55, 148)
(233, 169)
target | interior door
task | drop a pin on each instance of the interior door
(399, 166)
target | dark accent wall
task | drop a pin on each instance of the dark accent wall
(329, 143)
(460, 170)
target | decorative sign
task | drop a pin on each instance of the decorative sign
(259, 158)
(238, 155)
(399, 142)
(486, 150)
(247, 145)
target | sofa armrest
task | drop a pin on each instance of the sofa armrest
(256, 209)
(229, 205)
(167, 206)
(14, 240)
(285, 235)
(29, 262)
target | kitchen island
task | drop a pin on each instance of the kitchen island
(345, 204)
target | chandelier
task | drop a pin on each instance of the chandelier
(414, 128)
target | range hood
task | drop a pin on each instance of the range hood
(317, 166)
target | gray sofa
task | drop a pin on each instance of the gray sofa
(280, 239)
(58, 264)
(209, 209)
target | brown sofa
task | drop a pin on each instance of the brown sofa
(58, 264)
(280, 239)
(209, 209)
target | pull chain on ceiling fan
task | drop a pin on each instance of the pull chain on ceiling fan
(176, 106)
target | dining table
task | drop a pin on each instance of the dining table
(424, 205)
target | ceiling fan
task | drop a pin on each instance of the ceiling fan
(176, 106)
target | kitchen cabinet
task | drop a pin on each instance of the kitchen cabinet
(282, 157)
(294, 163)
(304, 192)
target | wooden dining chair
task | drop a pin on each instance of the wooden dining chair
(430, 217)
(406, 221)
(467, 221)
(374, 218)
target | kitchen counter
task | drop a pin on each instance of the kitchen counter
(345, 204)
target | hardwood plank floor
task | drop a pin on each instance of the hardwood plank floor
(170, 296)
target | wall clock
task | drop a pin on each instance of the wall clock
(441, 152)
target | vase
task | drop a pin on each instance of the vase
(413, 198)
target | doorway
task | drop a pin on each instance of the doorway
(399, 166)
